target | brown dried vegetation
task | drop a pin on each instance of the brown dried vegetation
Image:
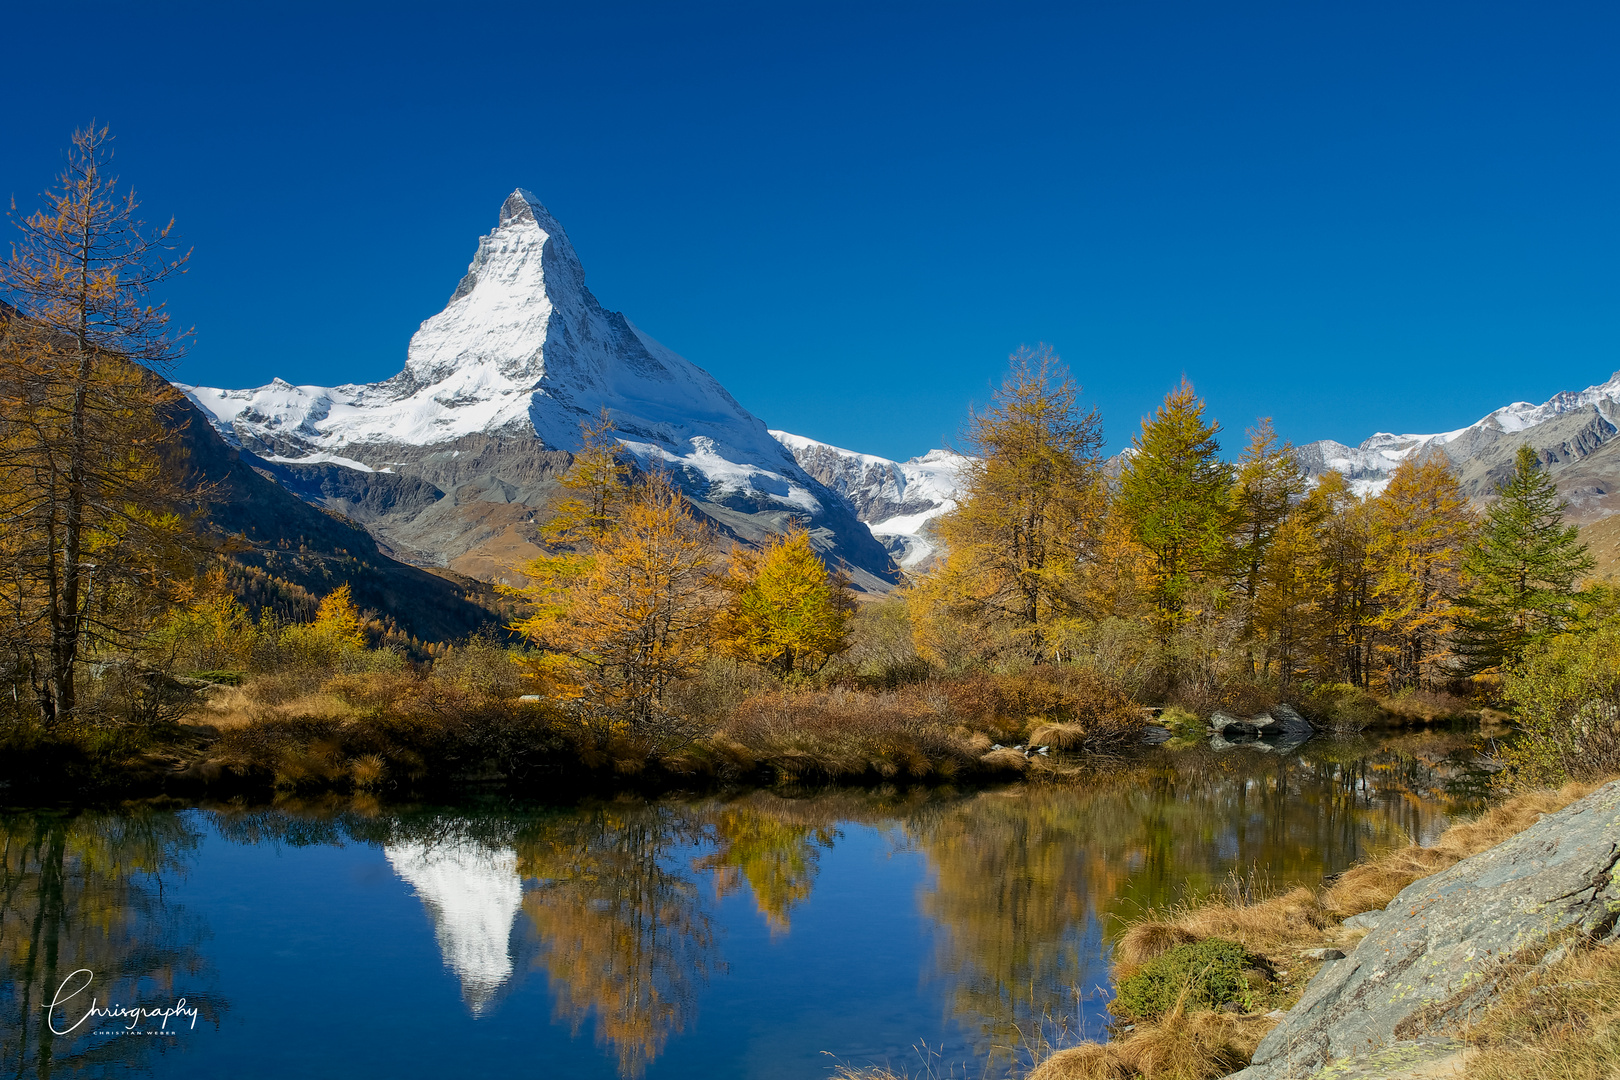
(1559, 1024)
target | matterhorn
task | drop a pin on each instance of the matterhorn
(448, 462)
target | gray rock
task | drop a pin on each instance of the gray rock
(1227, 724)
(1409, 1059)
(1439, 949)
(1367, 920)
(1323, 954)
(1288, 719)
(1275, 723)
(1279, 730)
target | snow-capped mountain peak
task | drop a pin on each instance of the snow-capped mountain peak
(524, 351)
(900, 501)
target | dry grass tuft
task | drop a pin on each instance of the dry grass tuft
(1146, 940)
(1005, 761)
(1275, 925)
(1559, 1024)
(369, 772)
(1059, 736)
(1196, 1046)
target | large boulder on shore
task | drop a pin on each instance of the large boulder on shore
(1442, 948)
(1280, 729)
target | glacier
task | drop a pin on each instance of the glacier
(900, 501)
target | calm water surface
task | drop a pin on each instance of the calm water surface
(755, 935)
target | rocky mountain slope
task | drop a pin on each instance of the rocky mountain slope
(288, 542)
(1574, 433)
(447, 461)
(900, 501)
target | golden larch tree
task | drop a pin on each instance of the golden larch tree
(1029, 518)
(636, 620)
(89, 477)
(1421, 524)
(788, 611)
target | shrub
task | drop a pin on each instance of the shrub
(1568, 697)
(1426, 705)
(1011, 705)
(484, 666)
(880, 642)
(1184, 722)
(721, 686)
(1210, 972)
(1341, 707)
(845, 734)
(1244, 697)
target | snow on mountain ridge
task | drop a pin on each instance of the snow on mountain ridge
(1370, 465)
(898, 501)
(523, 349)
(522, 343)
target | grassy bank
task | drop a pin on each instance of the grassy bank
(367, 721)
(302, 714)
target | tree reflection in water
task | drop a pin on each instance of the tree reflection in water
(86, 891)
(774, 845)
(625, 938)
(1029, 882)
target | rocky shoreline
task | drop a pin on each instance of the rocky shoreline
(1443, 950)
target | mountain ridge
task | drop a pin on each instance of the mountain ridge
(1572, 432)
(519, 357)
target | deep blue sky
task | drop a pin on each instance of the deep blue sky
(1351, 216)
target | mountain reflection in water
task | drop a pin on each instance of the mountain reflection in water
(473, 894)
(681, 932)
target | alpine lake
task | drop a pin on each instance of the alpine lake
(750, 934)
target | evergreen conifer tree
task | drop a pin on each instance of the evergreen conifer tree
(1522, 569)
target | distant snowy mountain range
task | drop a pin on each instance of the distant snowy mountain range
(1573, 432)
(447, 462)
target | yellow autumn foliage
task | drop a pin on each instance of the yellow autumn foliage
(620, 625)
(788, 612)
